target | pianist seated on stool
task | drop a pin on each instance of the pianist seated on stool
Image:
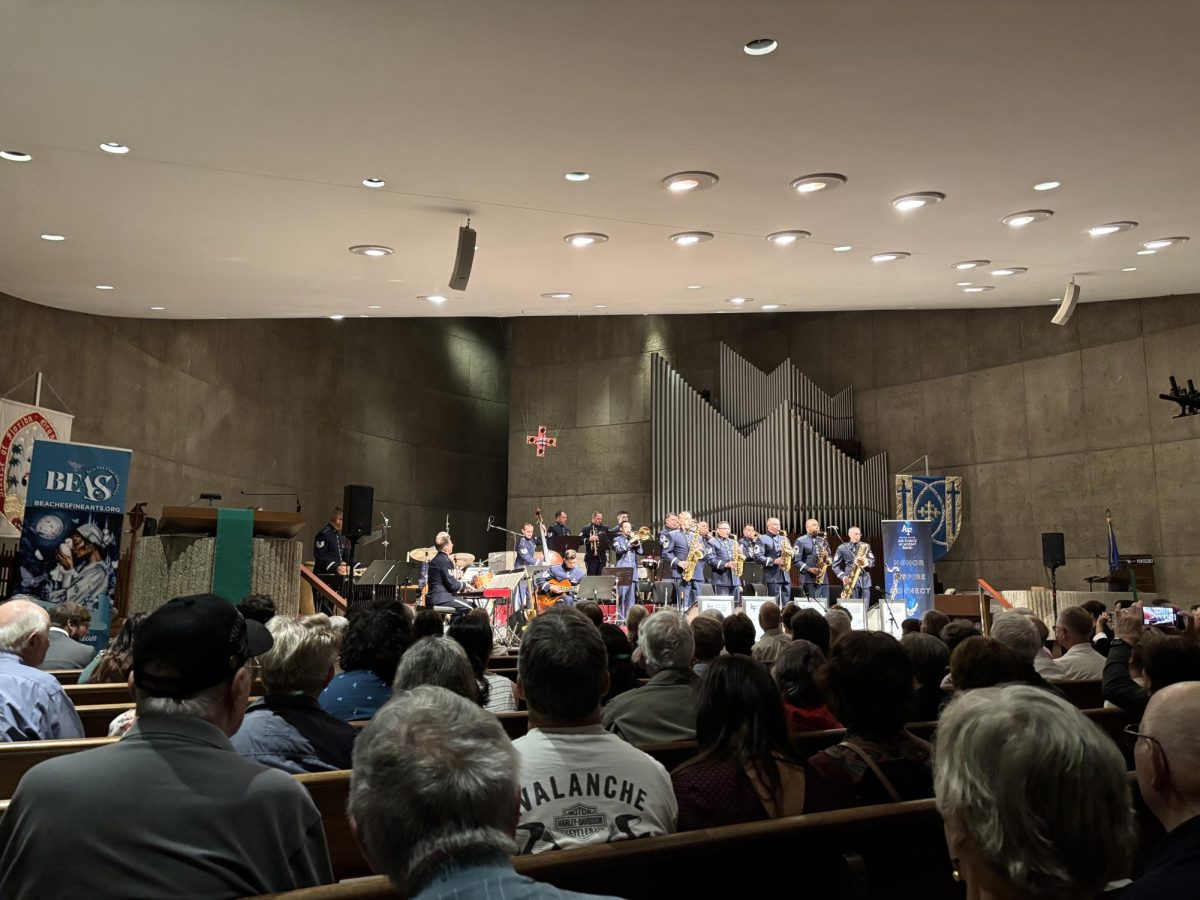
(444, 580)
(560, 582)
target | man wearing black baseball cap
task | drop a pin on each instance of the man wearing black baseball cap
(180, 812)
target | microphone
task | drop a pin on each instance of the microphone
(491, 519)
(832, 528)
(385, 519)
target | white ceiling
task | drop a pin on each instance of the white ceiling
(252, 125)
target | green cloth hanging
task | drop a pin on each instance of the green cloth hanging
(231, 562)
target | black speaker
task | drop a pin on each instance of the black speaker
(463, 259)
(358, 501)
(1054, 551)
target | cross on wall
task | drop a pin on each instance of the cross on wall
(541, 441)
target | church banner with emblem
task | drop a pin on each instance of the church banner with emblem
(908, 565)
(936, 499)
(21, 425)
(71, 539)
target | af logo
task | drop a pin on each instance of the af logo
(579, 821)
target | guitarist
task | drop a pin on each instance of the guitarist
(559, 582)
(844, 563)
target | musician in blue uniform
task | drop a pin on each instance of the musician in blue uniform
(844, 564)
(670, 523)
(331, 550)
(527, 549)
(558, 527)
(749, 542)
(722, 576)
(568, 571)
(809, 549)
(627, 549)
(777, 581)
(675, 554)
(444, 583)
(596, 541)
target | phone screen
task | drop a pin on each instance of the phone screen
(1158, 615)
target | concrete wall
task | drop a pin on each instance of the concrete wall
(416, 408)
(1048, 426)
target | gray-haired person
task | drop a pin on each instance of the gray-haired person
(432, 800)
(663, 709)
(33, 705)
(438, 661)
(1034, 797)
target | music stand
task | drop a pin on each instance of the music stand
(623, 578)
(600, 588)
(380, 572)
(752, 572)
(561, 543)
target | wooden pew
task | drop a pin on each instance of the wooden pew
(66, 676)
(1082, 694)
(19, 757)
(329, 791)
(97, 694)
(98, 717)
(516, 724)
(510, 674)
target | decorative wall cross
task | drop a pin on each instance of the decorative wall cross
(541, 441)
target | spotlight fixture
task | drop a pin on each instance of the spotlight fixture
(768, 306)
(812, 184)
(890, 256)
(970, 264)
(694, 287)
(760, 46)
(783, 238)
(371, 250)
(54, 237)
(577, 176)
(978, 288)
(373, 182)
(1129, 269)
(1146, 252)
(585, 238)
(842, 248)
(963, 283)
(688, 238)
(337, 317)
(114, 148)
(375, 307)
(436, 299)
(157, 308)
(1026, 217)
(1047, 185)
(1111, 228)
(909, 202)
(557, 295)
(15, 155)
(1188, 400)
(105, 287)
(1163, 243)
(684, 182)
(1010, 270)
(740, 301)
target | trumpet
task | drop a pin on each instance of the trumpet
(642, 534)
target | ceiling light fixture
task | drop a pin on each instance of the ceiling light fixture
(688, 238)
(1146, 252)
(970, 264)
(114, 148)
(962, 283)
(374, 307)
(1047, 185)
(1163, 243)
(337, 317)
(1010, 270)
(577, 176)
(1129, 269)
(783, 238)
(684, 182)
(812, 184)
(889, 256)
(978, 288)
(1026, 217)
(773, 305)
(909, 202)
(53, 237)
(842, 248)
(585, 238)
(760, 46)
(1111, 228)
(694, 287)
(433, 298)
(557, 295)
(157, 308)
(740, 301)
(105, 287)
(371, 250)
(373, 182)
(15, 155)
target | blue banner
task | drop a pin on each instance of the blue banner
(908, 564)
(71, 536)
(936, 499)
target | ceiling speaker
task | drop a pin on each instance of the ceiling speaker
(463, 258)
(1067, 306)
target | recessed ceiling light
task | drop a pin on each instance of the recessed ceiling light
(374, 307)
(158, 308)
(601, 306)
(760, 46)
(909, 202)
(337, 317)
(783, 238)
(1111, 228)
(812, 184)
(1129, 269)
(372, 250)
(53, 237)
(740, 301)
(363, 316)
(683, 182)
(1146, 252)
(1026, 217)
(104, 287)
(889, 256)
(694, 287)
(15, 155)
(970, 264)
(773, 305)
(1010, 270)
(978, 288)
(577, 176)
(687, 238)
(557, 295)
(433, 298)
(1047, 185)
(1161, 243)
(373, 182)
(114, 147)
(585, 238)
(842, 248)
(962, 283)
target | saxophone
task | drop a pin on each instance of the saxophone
(823, 561)
(860, 562)
(786, 552)
(695, 554)
(739, 558)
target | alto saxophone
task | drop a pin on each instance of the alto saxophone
(786, 552)
(695, 554)
(860, 562)
(823, 562)
(739, 558)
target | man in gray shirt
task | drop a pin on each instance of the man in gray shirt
(171, 810)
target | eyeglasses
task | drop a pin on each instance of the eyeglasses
(1132, 734)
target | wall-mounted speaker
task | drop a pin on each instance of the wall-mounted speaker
(358, 501)
(1054, 550)
(1067, 306)
(463, 259)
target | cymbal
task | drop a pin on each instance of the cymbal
(422, 554)
(462, 560)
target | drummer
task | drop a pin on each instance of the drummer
(568, 571)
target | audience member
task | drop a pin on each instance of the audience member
(287, 728)
(579, 784)
(739, 634)
(113, 664)
(1101, 634)
(868, 683)
(930, 659)
(474, 633)
(69, 625)
(664, 709)
(980, 662)
(183, 814)
(713, 613)
(622, 676)
(795, 672)
(371, 648)
(257, 608)
(1165, 660)
(1019, 634)
(33, 705)
(427, 813)
(909, 626)
(708, 634)
(1034, 797)
(773, 639)
(840, 624)
(633, 619)
(591, 609)
(427, 623)
(785, 617)
(1167, 757)
(1080, 661)
(933, 621)
(439, 661)
(1043, 662)
(746, 769)
(810, 625)
(956, 631)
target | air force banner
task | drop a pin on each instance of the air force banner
(908, 566)
(936, 499)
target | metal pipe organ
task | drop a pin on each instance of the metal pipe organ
(763, 453)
